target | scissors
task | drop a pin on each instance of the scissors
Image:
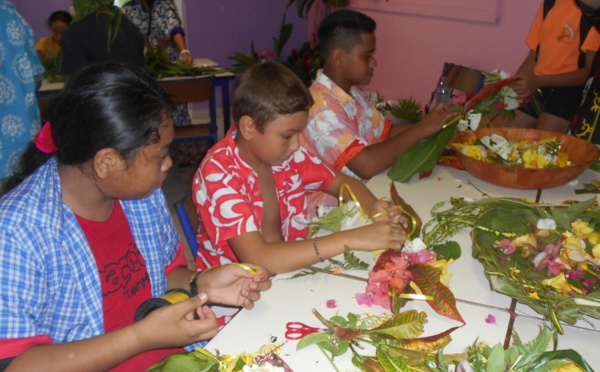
(297, 330)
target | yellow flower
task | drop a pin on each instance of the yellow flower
(528, 244)
(475, 152)
(562, 159)
(574, 250)
(596, 251)
(443, 265)
(559, 283)
(581, 229)
(571, 367)
(534, 295)
(533, 159)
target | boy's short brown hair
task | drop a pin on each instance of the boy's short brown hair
(342, 29)
(268, 90)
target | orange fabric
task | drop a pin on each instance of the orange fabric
(387, 127)
(347, 155)
(558, 38)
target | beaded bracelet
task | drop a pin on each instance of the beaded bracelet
(317, 249)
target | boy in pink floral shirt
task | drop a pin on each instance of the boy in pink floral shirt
(344, 128)
(250, 190)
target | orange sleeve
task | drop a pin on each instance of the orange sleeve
(387, 127)
(348, 154)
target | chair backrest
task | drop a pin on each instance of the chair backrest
(463, 78)
(190, 90)
(188, 219)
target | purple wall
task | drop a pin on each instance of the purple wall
(216, 29)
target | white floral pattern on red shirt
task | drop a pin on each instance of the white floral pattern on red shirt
(229, 202)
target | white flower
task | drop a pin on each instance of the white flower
(546, 224)
(503, 74)
(498, 144)
(463, 124)
(414, 246)
(474, 119)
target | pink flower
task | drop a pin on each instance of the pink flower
(500, 105)
(384, 301)
(423, 256)
(364, 299)
(555, 265)
(513, 314)
(331, 304)
(508, 247)
(490, 319)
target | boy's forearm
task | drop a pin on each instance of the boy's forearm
(98, 353)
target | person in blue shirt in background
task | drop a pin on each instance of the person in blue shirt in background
(20, 73)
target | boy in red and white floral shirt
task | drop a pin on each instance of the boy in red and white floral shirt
(250, 190)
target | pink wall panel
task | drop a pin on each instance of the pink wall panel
(412, 48)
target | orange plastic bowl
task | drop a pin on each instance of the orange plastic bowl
(580, 152)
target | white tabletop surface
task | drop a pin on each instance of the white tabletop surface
(293, 300)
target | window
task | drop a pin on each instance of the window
(474, 10)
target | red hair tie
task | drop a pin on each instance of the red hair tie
(43, 139)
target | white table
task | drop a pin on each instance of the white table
(293, 300)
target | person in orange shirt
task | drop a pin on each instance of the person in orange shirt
(51, 46)
(558, 63)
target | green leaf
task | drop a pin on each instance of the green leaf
(423, 156)
(532, 350)
(447, 251)
(407, 324)
(595, 166)
(389, 363)
(496, 360)
(313, 338)
(353, 262)
(186, 362)
(568, 354)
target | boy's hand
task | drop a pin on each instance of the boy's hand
(174, 325)
(436, 118)
(389, 212)
(525, 85)
(232, 285)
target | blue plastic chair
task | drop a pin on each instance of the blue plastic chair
(189, 224)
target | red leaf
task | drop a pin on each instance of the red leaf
(486, 92)
(427, 278)
(407, 209)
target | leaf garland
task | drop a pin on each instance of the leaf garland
(399, 348)
(517, 278)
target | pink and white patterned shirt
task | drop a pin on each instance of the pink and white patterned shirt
(229, 202)
(340, 125)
